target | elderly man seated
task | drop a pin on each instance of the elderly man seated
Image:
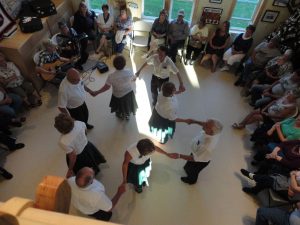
(89, 197)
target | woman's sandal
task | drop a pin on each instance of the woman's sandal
(237, 126)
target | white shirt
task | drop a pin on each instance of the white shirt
(167, 107)
(71, 95)
(90, 199)
(135, 154)
(101, 22)
(75, 140)
(10, 70)
(162, 69)
(203, 145)
(120, 80)
(203, 32)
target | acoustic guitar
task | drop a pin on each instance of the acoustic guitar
(51, 67)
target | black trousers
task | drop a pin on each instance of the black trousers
(7, 140)
(80, 113)
(174, 48)
(84, 55)
(193, 169)
(156, 84)
(196, 51)
(102, 215)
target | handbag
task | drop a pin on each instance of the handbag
(30, 24)
(102, 67)
(43, 8)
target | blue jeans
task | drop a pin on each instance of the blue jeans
(11, 109)
(274, 215)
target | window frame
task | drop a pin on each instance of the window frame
(150, 18)
(97, 11)
(192, 11)
(252, 20)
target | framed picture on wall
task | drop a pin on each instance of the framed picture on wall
(293, 5)
(270, 16)
(215, 1)
(212, 15)
(6, 21)
(281, 3)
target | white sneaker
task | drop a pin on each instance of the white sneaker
(224, 68)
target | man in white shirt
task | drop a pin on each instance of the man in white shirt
(163, 66)
(71, 97)
(88, 195)
(202, 147)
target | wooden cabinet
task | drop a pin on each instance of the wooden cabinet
(21, 47)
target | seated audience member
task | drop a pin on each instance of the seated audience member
(136, 166)
(275, 69)
(123, 28)
(202, 147)
(164, 116)
(10, 104)
(217, 44)
(85, 21)
(117, 6)
(48, 61)
(286, 130)
(259, 58)
(286, 187)
(277, 216)
(72, 45)
(277, 110)
(105, 23)
(5, 174)
(178, 32)
(13, 81)
(123, 101)
(10, 143)
(79, 151)
(89, 197)
(197, 41)
(239, 48)
(261, 95)
(158, 32)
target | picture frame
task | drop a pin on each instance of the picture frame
(6, 22)
(270, 16)
(281, 3)
(212, 15)
(215, 1)
(293, 5)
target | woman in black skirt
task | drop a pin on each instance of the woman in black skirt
(164, 115)
(123, 99)
(80, 152)
(137, 163)
(217, 44)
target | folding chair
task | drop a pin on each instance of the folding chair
(140, 34)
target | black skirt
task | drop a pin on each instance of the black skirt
(212, 51)
(125, 105)
(162, 128)
(89, 157)
(138, 174)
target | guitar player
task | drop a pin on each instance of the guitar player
(49, 59)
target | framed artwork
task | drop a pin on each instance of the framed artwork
(270, 16)
(6, 22)
(281, 3)
(212, 15)
(215, 1)
(293, 5)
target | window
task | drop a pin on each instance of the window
(152, 8)
(243, 14)
(96, 5)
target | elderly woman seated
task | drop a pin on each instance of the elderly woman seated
(263, 94)
(13, 81)
(277, 110)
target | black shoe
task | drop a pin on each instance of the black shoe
(249, 190)
(127, 117)
(254, 163)
(187, 180)
(5, 174)
(245, 173)
(16, 124)
(16, 147)
(120, 115)
(138, 189)
(89, 126)
(192, 62)
(238, 82)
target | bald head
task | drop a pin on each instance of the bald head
(73, 76)
(84, 177)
